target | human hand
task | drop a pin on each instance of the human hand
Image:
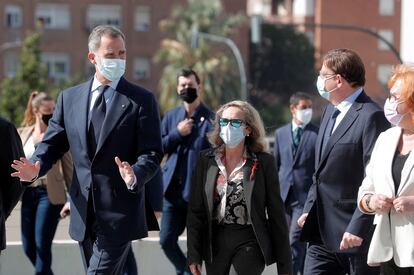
(404, 204)
(185, 126)
(349, 241)
(302, 219)
(195, 269)
(26, 170)
(126, 171)
(381, 203)
(65, 211)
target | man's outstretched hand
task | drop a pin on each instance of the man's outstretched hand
(25, 169)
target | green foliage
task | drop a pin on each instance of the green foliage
(282, 65)
(213, 62)
(31, 76)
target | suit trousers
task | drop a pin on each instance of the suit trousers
(101, 255)
(321, 261)
(235, 246)
(293, 211)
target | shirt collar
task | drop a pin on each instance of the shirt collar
(294, 126)
(347, 102)
(96, 84)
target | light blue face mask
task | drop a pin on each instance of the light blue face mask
(320, 85)
(111, 69)
(232, 136)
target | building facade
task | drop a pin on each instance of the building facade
(333, 24)
(65, 26)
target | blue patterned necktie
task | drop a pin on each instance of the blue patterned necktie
(329, 128)
(297, 134)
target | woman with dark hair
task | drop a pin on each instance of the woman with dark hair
(235, 214)
(43, 200)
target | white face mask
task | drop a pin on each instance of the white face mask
(232, 136)
(320, 85)
(391, 112)
(111, 69)
(304, 115)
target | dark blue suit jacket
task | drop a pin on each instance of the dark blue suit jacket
(340, 169)
(173, 142)
(295, 170)
(131, 131)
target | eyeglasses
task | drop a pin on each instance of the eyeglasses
(393, 99)
(236, 123)
(327, 76)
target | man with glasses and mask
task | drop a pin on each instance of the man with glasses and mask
(337, 231)
(294, 152)
(184, 131)
(112, 129)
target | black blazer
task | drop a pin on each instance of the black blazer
(131, 131)
(10, 187)
(340, 169)
(264, 206)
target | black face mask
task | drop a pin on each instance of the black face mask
(46, 118)
(188, 94)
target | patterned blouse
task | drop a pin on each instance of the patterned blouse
(229, 201)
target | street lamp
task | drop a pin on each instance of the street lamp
(196, 35)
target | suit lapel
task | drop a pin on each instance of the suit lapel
(322, 129)
(406, 172)
(81, 116)
(302, 142)
(210, 184)
(248, 182)
(341, 129)
(117, 108)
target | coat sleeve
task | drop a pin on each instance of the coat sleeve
(11, 188)
(361, 223)
(196, 216)
(277, 220)
(67, 169)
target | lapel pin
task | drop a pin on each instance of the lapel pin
(202, 119)
(123, 105)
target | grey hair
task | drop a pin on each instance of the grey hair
(94, 41)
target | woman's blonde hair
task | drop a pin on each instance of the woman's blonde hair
(256, 140)
(35, 100)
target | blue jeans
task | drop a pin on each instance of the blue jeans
(39, 220)
(174, 215)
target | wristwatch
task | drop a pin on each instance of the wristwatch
(367, 201)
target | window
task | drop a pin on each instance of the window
(13, 16)
(142, 19)
(57, 65)
(10, 64)
(386, 7)
(103, 15)
(303, 8)
(388, 35)
(384, 73)
(53, 16)
(142, 68)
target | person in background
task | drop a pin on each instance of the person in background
(43, 200)
(236, 216)
(388, 188)
(183, 131)
(337, 231)
(294, 151)
(10, 188)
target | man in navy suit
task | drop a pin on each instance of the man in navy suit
(338, 233)
(294, 151)
(112, 129)
(184, 132)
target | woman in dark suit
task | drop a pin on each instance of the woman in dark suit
(43, 200)
(235, 214)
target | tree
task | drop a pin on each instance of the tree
(31, 76)
(281, 65)
(212, 61)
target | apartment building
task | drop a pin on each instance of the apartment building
(345, 24)
(66, 25)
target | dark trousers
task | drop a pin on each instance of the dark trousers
(235, 246)
(390, 268)
(320, 260)
(39, 220)
(293, 212)
(100, 254)
(173, 221)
